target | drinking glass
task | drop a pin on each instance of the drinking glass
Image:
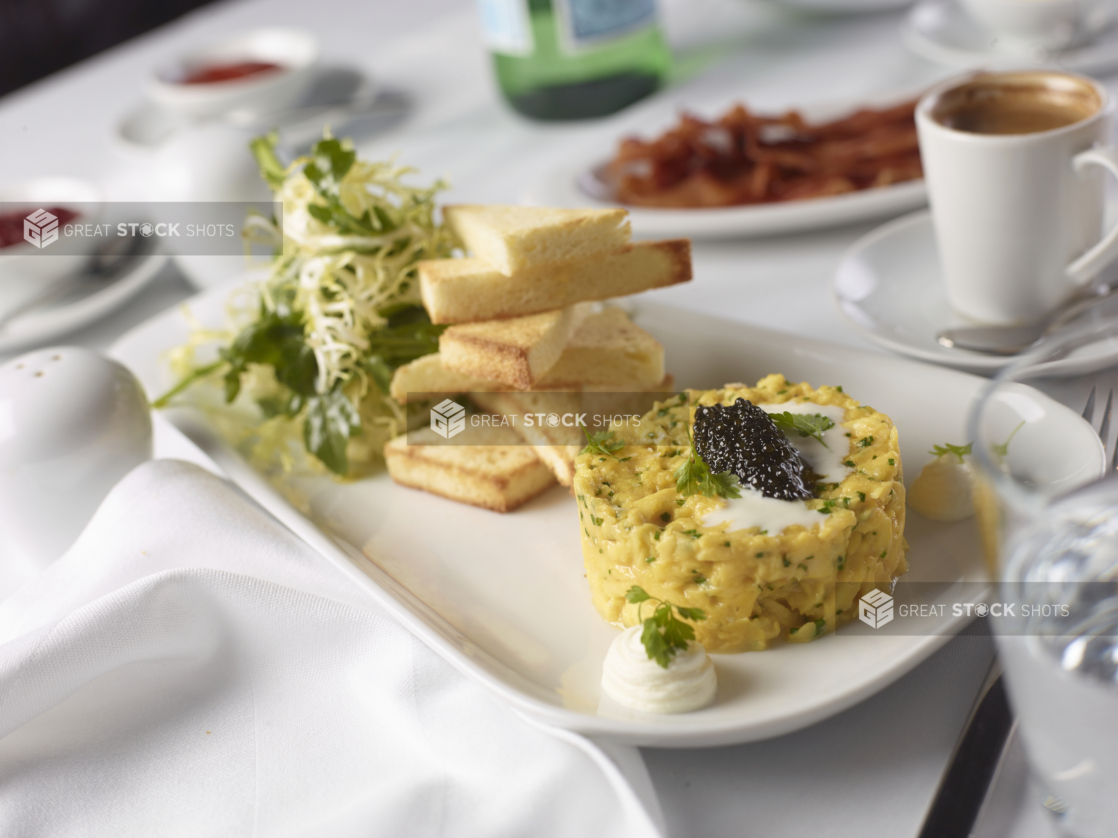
(1050, 529)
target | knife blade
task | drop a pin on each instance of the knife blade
(974, 763)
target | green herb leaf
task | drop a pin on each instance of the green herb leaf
(330, 161)
(636, 594)
(663, 634)
(694, 614)
(827, 507)
(602, 442)
(959, 451)
(1000, 452)
(331, 421)
(654, 644)
(804, 424)
(693, 477)
(264, 150)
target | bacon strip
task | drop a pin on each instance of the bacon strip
(744, 158)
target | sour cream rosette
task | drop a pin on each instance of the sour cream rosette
(944, 489)
(631, 678)
(757, 571)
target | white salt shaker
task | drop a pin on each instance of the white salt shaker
(72, 424)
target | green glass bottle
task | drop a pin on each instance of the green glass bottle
(575, 59)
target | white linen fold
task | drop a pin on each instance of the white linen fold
(190, 668)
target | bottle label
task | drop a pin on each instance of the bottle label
(506, 27)
(589, 23)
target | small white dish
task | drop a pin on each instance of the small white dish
(27, 270)
(335, 96)
(85, 298)
(75, 422)
(889, 287)
(293, 51)
(942, 31)
(535, 639)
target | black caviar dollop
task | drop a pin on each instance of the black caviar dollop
(743, 439)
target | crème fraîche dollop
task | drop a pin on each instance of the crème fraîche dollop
(760, 568)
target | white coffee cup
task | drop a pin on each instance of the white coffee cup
(1024, 25)
(1018, 215)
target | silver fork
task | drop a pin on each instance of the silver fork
(1103, 428)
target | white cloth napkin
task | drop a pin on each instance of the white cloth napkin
(190, 668)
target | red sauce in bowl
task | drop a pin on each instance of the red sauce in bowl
(215, 73)
(11, 224)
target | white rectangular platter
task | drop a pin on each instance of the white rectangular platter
(504, 599)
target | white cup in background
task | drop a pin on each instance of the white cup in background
(1047, 24)
(1014, 166)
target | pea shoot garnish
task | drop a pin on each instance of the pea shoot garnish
(959, 451)
(804, 424)
(1000, 452)
(663, 634)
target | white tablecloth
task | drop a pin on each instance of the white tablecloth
(190, 668)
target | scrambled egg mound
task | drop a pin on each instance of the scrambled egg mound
(753, 585)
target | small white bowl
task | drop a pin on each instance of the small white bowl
(294, 50)
(27, 271)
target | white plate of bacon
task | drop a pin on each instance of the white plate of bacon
(744, 174)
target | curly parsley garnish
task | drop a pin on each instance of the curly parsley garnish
(959, 451)
(805, 425)
(663, 635)
(693, 477)
(602, 443)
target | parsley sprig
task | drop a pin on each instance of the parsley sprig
(804, 424)
(693, 477)
(277, 338)
(959, 451)
(663, 634)
(602, 443)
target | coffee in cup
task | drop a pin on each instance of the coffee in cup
(1013, 166)
(1025, 110)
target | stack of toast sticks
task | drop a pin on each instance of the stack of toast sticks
(529, 335)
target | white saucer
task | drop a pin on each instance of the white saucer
(849, 7)
(889, 287)
(337, 95)
(85, 300)
(940, 30)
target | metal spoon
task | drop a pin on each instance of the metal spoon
(1010, 340)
